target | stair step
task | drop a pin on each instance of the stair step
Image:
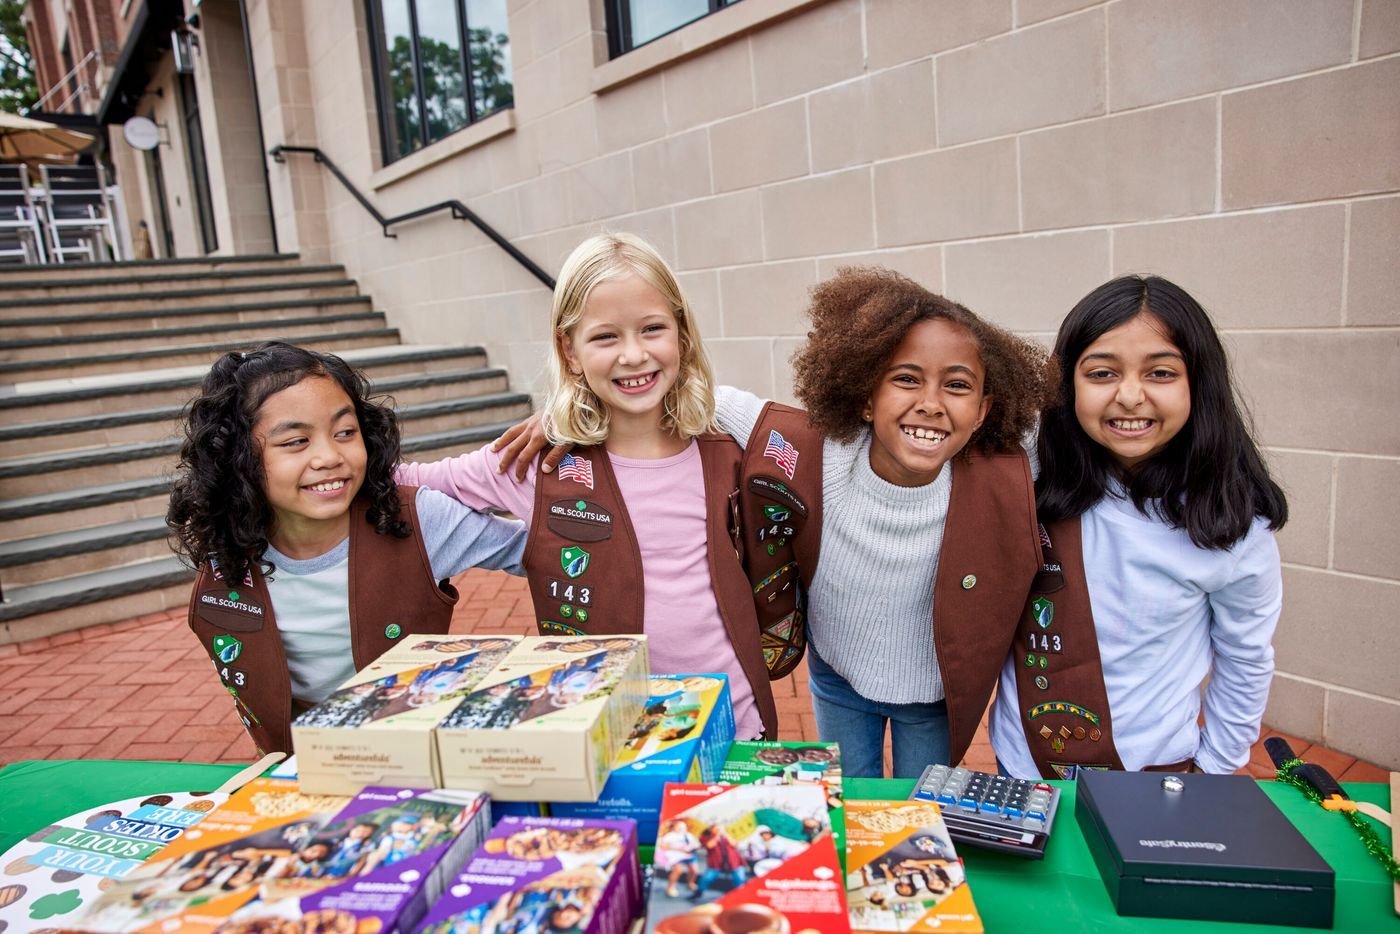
(75, 346)
(93, 587)
(57, 272)
(161, 282)
(47, 513)
(55, 472)
(185, 354)
(259, 309)
(114, 394)
(138, 304)
(76, 551)
(63, 326)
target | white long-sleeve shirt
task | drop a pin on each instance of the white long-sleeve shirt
(1167, 613)
(870, 607)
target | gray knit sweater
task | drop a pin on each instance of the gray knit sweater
(870, 607)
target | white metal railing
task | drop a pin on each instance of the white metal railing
(59, 84)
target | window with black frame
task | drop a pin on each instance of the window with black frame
(634, 23)
(440, 65)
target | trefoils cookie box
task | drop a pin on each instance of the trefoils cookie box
(902, 872)
(548, 722)
(682, 736)
(774, 763)
(538, 874)
(733, 859)
(374, 864)
(377, 728)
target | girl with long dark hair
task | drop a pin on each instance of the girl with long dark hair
(1160, 568)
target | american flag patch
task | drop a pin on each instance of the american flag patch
(577, 469)
(782, 452)
(1045, 537)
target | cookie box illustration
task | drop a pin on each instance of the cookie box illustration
(902, 872)
(772, 763)
(682, 736)
(221, 859)
(548, 722)
(377, 728)
(744, 858)
(55, 873)
(539, 874)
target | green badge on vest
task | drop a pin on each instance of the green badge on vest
(233, 595)
(1043, 612)
(393, 630)
(581, 616)
(574, 560)
(227, 648)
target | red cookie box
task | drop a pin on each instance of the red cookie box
(746, 858)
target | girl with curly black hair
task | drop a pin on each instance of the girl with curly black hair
(927, 525)
(312, 561)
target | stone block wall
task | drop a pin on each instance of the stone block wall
(1012, 153)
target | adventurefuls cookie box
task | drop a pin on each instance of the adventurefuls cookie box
(538, 718)
(377, 727)
(548, 722)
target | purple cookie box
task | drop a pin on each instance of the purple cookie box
(492, 872)
(385, 894)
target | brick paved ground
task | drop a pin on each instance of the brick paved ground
(143, 689)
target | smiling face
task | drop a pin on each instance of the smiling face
(927, 402)
(314, 462)
(1131, 391)
(626, 346)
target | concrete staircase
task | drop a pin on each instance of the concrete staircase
(96, 363)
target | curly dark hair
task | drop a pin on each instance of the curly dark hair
(860, 315)
(218, 509)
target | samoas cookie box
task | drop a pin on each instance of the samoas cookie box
(683, 735)
(377, 728)
(549, 721)
(539, 874)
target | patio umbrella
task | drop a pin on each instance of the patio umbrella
(24, 138)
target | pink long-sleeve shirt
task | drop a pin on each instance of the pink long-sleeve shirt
(666, 502)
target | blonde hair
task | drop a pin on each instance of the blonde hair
(573, 413)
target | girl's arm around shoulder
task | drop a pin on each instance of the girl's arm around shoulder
(737, 411)
(472, 479)
(458, 538)
(1244, 615)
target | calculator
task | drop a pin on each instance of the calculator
(995, 812)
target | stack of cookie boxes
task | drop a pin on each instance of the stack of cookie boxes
(274, 858)
(683, 736)
(527, 719)
(377, 727)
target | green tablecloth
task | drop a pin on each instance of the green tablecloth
(1060, 894)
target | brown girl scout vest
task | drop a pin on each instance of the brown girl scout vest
(1059, 673)
(990, 554)
(392, 594)
(585, 567)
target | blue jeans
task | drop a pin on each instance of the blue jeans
(918, 732)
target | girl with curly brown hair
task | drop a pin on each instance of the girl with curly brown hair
(926, 511)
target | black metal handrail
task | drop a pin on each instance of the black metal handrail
(459, 211)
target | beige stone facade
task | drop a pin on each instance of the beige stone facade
(1011, 153)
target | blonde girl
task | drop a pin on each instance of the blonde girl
(633, 531)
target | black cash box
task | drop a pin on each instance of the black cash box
(1207, 847)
